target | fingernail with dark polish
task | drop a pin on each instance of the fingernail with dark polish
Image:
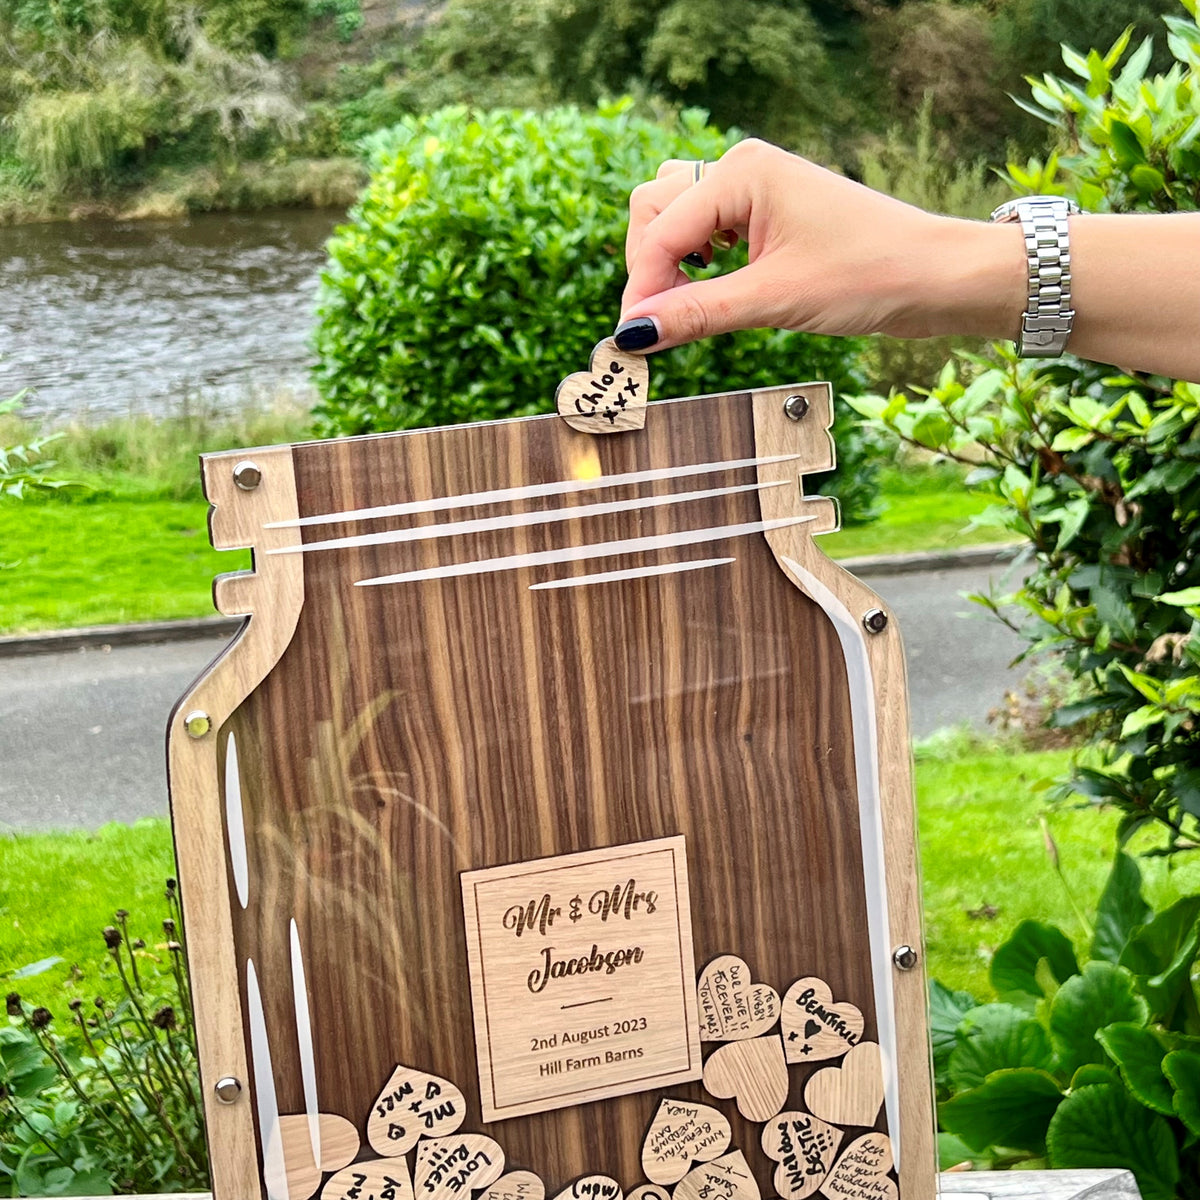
(636, 334)
(695, 259)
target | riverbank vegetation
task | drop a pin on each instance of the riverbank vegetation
(161, 107)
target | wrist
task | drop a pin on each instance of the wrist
(972, 279)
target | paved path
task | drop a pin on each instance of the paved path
(82, 733)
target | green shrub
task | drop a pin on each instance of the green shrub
(1082, 1066)
(486, 258)
(112, 1105)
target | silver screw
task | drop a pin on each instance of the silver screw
(247, 475)
(905, 957)
(197, 723)
(795, 407)
(875, 620)
(228, 1089)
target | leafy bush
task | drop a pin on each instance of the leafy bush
(114, 1106)
(1082, 1066)
(486, 258)
(1098, 469)
(24, 467)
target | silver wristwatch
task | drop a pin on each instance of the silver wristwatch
(1048, 316)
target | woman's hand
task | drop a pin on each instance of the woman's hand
(827, 255)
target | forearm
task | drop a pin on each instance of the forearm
(1135, 288)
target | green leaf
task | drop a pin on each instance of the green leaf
(952, 1151)
(1091, 1073)
(946, 1011)
(1183, 599)
(1161, 954)
(1139, 1057)
(1147, 179)
(1102, 995)
(1014, 965)
(1011, 1108)
(1121, 909)
(997, 1037)
(1126, 146)
(1103, 1126)
(1182, 1069)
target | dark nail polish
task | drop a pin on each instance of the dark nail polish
(695, 259)
(636, 334)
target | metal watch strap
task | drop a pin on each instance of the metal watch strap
(1048, 317)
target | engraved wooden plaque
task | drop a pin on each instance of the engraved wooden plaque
(553, 777)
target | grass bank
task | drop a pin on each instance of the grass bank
(130, 542)
(983, 858)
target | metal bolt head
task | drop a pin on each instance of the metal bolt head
(905, 957)
(197, 723)
(228, 1089)
(795, 407)
(247, 475)
(875, 620)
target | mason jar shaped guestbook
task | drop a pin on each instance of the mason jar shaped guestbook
(547, 829)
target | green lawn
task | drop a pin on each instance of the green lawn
(132, 554)
(982, 849)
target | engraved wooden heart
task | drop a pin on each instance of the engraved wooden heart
(608, 397)
(592, 1187)
(456, 1165)
(382, 1179)
(804, 1146)
(682, 1133)
(731, 1006)
(516, 1185)
(649, 1191)
(754, 1073)
(338, 1141)
(725, 1178)
(862, 1172)
(814, 1028)
(413, 1104)
(850, 1094)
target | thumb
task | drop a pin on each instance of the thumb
(697, 310)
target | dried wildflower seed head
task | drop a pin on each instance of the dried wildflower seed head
(168, 925)
(140, 944)
(171, 886)
(12, 1003)
(174, 947)
(122, 915)
(75, 1005)
(164, 1018)
(112, 936)
(99, 1003)
(40, 1018)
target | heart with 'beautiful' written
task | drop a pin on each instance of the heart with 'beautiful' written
(383, 1179)
(731, 1005)
(682, 1133)
(862, 1171)
(413, 1104)
(804, 1146)
(850, 1094)
(455, 1166)
(814, 1028)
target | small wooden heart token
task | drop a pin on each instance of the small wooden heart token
(862, 1172)
(726, 1178)
(649, 1191)
(456, 1165)
(383, 1179)
(413, 1104)
(754, 1073)
(516, 1185)
(731, 1006)
(680, 1134)
(850, 1094)
(592, 1187)
(338, 1144)
(804, 1146)
(814, 1028)
(608, 397)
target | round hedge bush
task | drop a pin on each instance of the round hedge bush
(486, 258)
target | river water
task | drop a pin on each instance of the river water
(107, 318)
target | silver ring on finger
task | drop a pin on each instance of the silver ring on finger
(698, 171)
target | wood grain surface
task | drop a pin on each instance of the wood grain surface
(416, 730)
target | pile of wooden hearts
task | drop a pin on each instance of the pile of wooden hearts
(751, 1068)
